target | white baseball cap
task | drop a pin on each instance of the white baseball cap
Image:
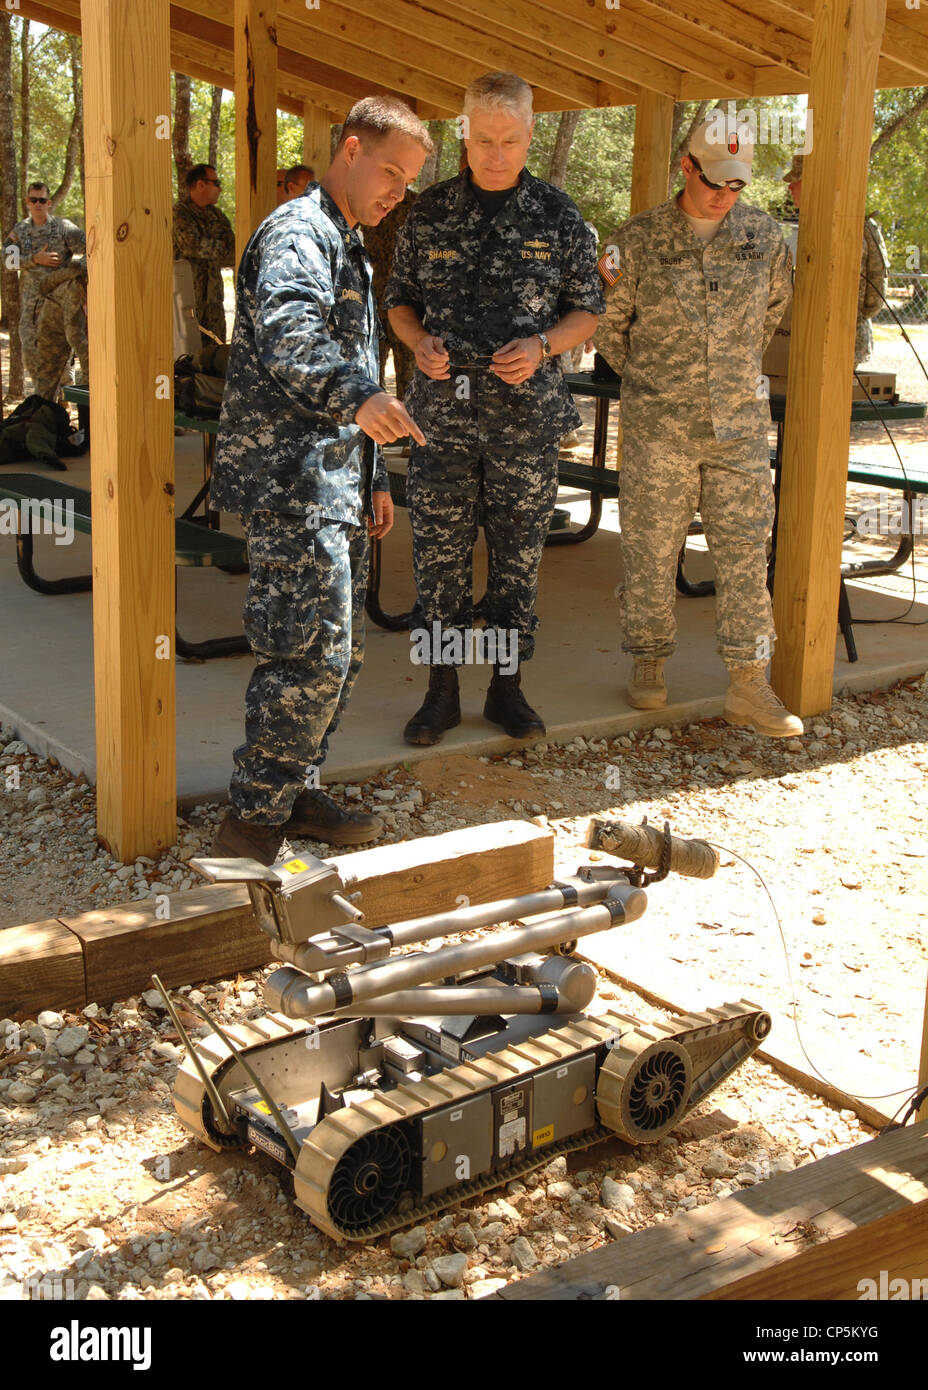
(724, 149)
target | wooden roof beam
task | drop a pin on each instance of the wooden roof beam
(645, 41)
(761, 40)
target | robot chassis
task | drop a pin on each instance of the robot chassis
(419, 1078)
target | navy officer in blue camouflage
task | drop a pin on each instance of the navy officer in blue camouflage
(298, 456)
(494, 276)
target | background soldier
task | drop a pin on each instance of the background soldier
(203, 236)
(874, 269)
(301, 394)
(62, 328)
(380, 244)
(494, 274)
(297, 179)
(697, 288)
(45, 243)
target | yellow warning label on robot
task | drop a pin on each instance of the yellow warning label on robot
(542, 1136)
(295, 866)
(263, 1106)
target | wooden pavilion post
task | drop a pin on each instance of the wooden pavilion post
(845, 51)
(651, 157)
(923, 1063)
(255, 115)
(316, 138)
(127, 103)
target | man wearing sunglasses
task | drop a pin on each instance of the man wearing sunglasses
(695, 290)
(203, 236)
(44, 243)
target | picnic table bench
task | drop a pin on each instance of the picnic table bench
(195, 545)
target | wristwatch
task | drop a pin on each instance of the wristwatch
(545, 345)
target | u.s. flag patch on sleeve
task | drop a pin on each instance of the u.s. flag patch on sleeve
(608, 265)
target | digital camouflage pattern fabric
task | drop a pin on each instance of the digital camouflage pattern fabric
(204, 237)
(380, 244)
(304, 620)
(874, 270)
(478, 283)
(62, 328)
(304, 359)
(291, 460)
(57, 235)
(685, 327)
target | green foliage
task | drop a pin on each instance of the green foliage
(51, 111)
(896, 195)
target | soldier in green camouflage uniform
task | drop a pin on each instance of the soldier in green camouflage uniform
(874, 269)
(296, 456)
(203, 236)
(44, 243)
(494, 275)
(62, 328)
(380, 243)
(697, 287)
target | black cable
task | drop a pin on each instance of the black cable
(885, 1095)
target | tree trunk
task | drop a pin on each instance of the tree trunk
(432, 165)
(9, 279)
(680, 136)
(899, 122)
(180, 132)
(566, 130)
(25, 115)
(215, 111)
(74, 154)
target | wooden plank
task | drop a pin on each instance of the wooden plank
(41, 967)
(923, 1062)
(651, 157)
(128, 186)
(317, 138)
(844, 56)
(481, 863)
(255, 59)
(210, 931)
(813, 1233)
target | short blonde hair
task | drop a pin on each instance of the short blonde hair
(497, 91)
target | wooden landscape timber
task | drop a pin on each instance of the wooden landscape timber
(110, 953)
(817, 1233)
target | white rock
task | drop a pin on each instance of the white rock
(406, 1245)
(88, 1238)
(20, 1094)
(560, 1191)
(95, 1294)
(49, 1019)
(523, 1256)
(448, 1295)
(153, 999)
(616, 1196)
(783, 1163)
(617, 1229)
(482, 1288)
(464, 1237)
(71, 1040)
(717, 1165)
(450, 1269)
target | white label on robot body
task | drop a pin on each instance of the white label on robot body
(511, 1137)
(561, 1071)
(455, 1114)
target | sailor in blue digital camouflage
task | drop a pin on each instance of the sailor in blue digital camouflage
(203, 235)
(62, 328)
(298, 456)
(695, 290)
(43, 244)
(874, 269)
(494, 276)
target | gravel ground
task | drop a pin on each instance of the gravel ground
(100, 1185)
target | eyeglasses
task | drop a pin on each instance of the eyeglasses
(735, 185)
(39, 200)
(216, 182)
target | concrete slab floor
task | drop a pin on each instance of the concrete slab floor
(576, 680)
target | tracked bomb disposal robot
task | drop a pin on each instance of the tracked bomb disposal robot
(420, 1077)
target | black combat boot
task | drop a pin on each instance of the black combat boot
(441, 709)
(506, 705)
(246, 839)
(317, 817)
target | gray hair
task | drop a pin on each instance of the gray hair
(499, 91)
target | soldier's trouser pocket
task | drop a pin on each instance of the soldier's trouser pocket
(281, 610)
